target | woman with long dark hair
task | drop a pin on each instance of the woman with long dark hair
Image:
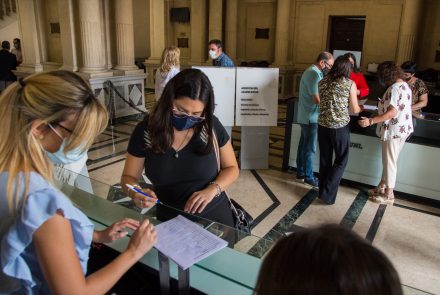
(338, 94)
(357, 77)
(174, 144)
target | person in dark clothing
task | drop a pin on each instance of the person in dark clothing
(8, 62)
(174, 144)
(338, 94)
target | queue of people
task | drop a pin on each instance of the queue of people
(328, 95)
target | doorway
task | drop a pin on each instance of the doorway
(346, 33)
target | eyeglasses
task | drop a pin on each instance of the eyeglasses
(62, 127)
(181, 114)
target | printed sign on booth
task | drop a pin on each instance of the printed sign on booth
(257, 97)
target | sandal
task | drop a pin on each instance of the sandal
(387, 199)
(378, 190)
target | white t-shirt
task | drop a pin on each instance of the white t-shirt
(162, 79)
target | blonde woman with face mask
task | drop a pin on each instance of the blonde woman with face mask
(169, 67)
(45, 240)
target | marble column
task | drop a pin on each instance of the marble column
(282, 32)
(67, 35)
(198, 42)
(92, 43)
(108, 36)
(32, 48)
(125, 38)
(157, 29)
(215, 19)
(409, 27)
(231, 28)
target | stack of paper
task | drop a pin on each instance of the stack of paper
(185, 242)
(370, 107)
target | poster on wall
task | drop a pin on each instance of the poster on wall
(223, 83)
(257, 97)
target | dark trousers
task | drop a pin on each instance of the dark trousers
(330, 173)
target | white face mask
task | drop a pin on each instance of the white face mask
(60, 157)
(212, 54)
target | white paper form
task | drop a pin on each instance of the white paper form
(185, 242)
(370, 107)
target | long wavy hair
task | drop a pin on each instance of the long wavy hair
(389, 72)
(49, 97)
(191, 83)
(353, 57)
(341, 69)
(170, 58)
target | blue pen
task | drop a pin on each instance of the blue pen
(133, 188)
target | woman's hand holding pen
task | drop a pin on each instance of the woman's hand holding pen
(141, 200)
(199, 200)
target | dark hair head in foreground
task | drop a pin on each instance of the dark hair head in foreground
(327, 260)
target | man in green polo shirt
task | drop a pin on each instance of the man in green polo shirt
(308, 111)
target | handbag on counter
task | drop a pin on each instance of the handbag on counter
(242, 219)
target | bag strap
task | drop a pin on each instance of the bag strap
(216, 149)
(217, 156)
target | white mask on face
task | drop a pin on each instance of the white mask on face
(212, 54)
(61, 157)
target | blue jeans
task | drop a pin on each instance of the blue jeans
(306, 150)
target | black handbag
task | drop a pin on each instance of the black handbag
(242, 219)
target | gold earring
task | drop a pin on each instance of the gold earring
(41, 137)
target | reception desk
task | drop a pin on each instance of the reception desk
(228, 271)
(418, 165)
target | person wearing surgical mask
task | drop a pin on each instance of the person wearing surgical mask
(219, 58)
(419, 90)
(308, 111)
(71, 167)
(394, 126)
(17, 50)
(53, 115)
(174, 144)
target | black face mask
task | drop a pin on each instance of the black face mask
(407, 78)
(325, 71)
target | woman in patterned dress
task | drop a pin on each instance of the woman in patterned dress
(394, 125)
(418, 88)
(337, 93)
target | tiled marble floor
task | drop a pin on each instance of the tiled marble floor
(407, 232)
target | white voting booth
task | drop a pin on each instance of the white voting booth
(253, 94)
(223, 83)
